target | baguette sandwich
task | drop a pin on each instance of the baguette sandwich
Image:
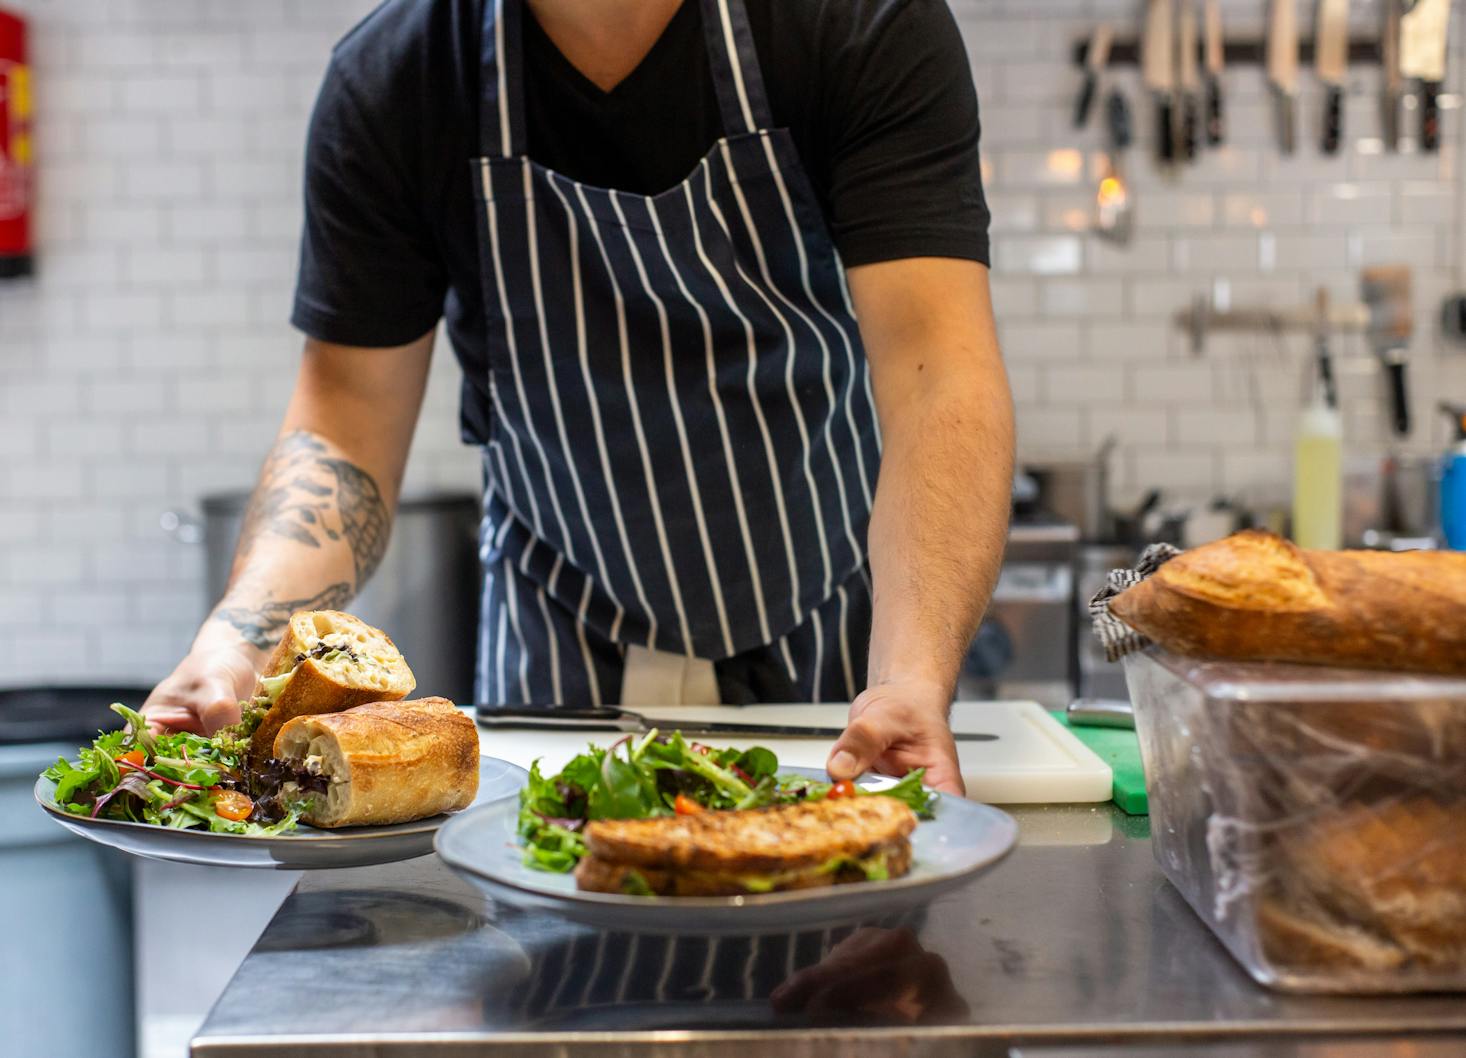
(1257, 597)
(798, 846)
(384, 762)
(327, 661)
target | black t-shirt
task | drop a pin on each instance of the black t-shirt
(877, 95)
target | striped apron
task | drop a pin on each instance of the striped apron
(683, 444)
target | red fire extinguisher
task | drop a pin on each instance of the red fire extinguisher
(16, 186)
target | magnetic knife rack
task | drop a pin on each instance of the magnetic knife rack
(1126, 52)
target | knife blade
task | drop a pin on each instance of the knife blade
(1096, 58)
(1330, 60)
(1157, 71)
(612, 718)
(1282, 67)
(1190, 81)
(1392, 92)
(1423, 38)
(1215, 58)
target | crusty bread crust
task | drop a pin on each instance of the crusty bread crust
(595, 874)
(782, 838)
(321, 687)
(400, 761)
(1257, 597)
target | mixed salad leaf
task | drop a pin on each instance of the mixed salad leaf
(177, 779)
(664, 774)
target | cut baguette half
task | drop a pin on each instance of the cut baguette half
(326, 661)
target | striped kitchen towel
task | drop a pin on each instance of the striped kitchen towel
(1115, 635)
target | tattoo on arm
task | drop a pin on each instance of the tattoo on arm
(307, 496)
(262, 624)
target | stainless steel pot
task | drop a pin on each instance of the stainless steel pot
(425, 594)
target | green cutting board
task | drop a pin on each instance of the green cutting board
(1120, 749)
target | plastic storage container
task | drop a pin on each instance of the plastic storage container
(1314, 818)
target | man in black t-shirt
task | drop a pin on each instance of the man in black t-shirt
(706, 264)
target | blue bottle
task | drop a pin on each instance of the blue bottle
(1453, 482)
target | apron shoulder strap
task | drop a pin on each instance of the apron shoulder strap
(501, 81)
(734, 63)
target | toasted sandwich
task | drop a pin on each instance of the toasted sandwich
(327, 661)
(384, 762)
(799, 846)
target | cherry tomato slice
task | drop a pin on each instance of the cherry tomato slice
(231, 804)
(133, 757)
(686, 806)
(843, 788)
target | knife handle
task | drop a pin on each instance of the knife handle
(1190, 127)
(1214, 126)
(1283, 103)
(1167, 130)
(1117, 120)
(1333, 118)
(1085, 101)
(1430, 116)
(1399, 397)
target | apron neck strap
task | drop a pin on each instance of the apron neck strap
(501, 80)
(731, 57)
(734, 62)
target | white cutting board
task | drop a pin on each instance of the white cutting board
(1034, 760)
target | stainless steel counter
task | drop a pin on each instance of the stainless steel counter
(1075, 944)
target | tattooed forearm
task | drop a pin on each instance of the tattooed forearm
(309, 497)
(262, 624)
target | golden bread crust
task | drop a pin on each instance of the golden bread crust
(402, 760)
(784, 837)
(1257, 597)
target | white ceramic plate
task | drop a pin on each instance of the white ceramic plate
(947, 851)
(302, 849)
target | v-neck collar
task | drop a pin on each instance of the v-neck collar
(643, 76)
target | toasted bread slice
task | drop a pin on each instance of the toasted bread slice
(782, 838)
(330, 661)
(604, 876)
(385, 762)
(1298, 939)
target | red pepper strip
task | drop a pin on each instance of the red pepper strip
(162, 778)
(742, 774)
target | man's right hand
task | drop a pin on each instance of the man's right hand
(203, 693)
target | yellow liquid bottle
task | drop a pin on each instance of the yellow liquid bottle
(1318, 502)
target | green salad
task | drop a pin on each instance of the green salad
(179, 780)
(659, 775)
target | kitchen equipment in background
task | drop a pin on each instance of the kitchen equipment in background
(1392, 87)
(425, 593)
(1386, 291)
(1157, 71)
(1331, 59)
(1028, 648)
(1215, 58)
(1392, 502)
(1075, 491)
(1423, 39)
(1190, 79)
(1453, 481)
(1094, 63)
(17, 159)
(1282, 68)
(1101, 712)
(1114, 206)
(1318, 505)
(66, 896)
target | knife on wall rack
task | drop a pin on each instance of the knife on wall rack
(1190, 80)
(1282, 69)
(1094, 63)
(1158, 72)
(1215, 57)
(1330, 61)
(1393, 90)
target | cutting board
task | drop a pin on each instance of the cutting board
(1034, 760)
(1120, 749)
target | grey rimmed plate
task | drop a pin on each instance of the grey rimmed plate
(949, 850)
(302, 849)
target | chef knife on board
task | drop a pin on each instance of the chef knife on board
(1282, 67)
(1330, 60)
(1212, 33)
(1423, 56)
(1158, 71)
(612, 718)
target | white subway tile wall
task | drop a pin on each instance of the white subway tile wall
(149, 361)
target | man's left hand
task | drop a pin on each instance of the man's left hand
(895, 727)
